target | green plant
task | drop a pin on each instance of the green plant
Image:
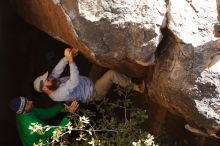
(112, 122)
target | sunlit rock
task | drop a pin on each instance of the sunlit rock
(118, 34)
(186, 76)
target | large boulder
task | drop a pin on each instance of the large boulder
(186, 76)
(125, 35)
(118, 34)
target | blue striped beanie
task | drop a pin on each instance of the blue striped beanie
(18, 104)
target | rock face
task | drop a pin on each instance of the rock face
(218, 8)
(186, 75)
(109, 32)
(125, 35)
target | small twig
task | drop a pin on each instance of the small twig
(116, 105)
(126, 94)
(191, 4)
(106, 130)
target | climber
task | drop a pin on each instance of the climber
(76, 87)
(27, 115)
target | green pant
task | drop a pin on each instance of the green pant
(103, 84)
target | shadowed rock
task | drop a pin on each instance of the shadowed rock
(186, 75)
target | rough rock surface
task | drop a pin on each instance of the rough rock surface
(112, 33)
(218, 8)
(186, 75)
(124, 35)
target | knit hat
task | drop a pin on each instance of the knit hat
(18, 104)
(39, 82)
